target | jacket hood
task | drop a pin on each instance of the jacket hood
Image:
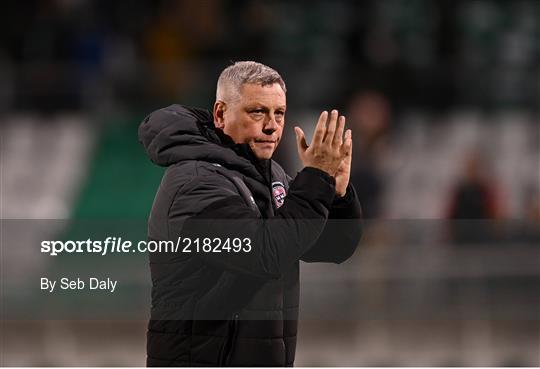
(177, 133)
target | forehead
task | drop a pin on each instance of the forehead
(271, 95)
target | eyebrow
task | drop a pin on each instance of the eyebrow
(264, 107)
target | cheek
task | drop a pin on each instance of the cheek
(245, 129)
(251, 128)
(280, 133)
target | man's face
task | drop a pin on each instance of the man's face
(257, 117)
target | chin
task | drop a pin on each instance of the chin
(263, 155)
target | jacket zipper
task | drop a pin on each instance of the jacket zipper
(231, 340)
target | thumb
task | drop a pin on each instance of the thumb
(300, 140)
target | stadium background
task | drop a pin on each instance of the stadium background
(443, 100)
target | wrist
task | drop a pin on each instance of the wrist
(324, 174)
(322, 169)
(348, 194)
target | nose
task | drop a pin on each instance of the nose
(270, 125)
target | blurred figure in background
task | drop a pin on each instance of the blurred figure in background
(533, 208)
(180, 32)
(474, 197)
(369, 116)
(529, 232)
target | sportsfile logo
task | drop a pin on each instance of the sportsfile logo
(117, 245)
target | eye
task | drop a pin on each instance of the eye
(257, 113)
(280, 115)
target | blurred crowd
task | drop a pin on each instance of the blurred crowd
(101, 55)
(481, 184)
(381, 62)
(377, 61)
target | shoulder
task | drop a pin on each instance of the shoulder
(199, 186)
(186, 176)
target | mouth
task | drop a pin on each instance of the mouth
(265, 141)
(265, 145)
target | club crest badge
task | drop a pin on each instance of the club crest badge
(278, 190)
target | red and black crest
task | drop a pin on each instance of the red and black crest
(278, 190)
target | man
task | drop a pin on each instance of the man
(223, 307)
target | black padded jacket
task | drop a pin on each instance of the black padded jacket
(231, 308)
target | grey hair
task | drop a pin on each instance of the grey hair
(234, 76)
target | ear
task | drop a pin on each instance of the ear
(219, 112)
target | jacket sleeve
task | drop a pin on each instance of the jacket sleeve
(276, 243)
(342, 232)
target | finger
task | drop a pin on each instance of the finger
(300, 140)
(338, 137)
(331, 130)
(350, 143)
(346, 148)
(320, 129)
(348, 134)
